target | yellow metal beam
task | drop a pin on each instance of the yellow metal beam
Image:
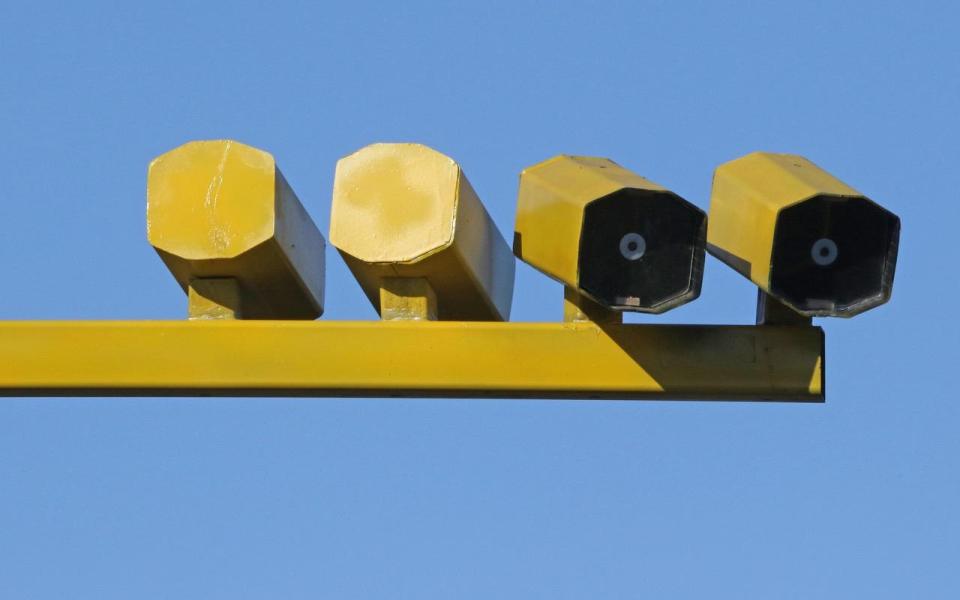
(411, 358)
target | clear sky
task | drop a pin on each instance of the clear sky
(318, 498)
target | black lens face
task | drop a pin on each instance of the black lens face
(642, 250)
(834, 255)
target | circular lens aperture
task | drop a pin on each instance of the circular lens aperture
(824, 252)
(632, 246)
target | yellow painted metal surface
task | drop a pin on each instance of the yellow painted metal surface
(553, 195)
(748, 195)
(214, 298)
(411, 358)
(407, 299)
(222, 209)
(405, 210)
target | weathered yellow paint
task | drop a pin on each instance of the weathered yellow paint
(405, 210)
(220, 209)
(411, 358)
(550, 204)
(748, 195)
(407, 298)
(212, 199)
(403, 197)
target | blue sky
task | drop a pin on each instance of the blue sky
(258, 498)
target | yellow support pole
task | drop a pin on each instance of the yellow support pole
(578, 359)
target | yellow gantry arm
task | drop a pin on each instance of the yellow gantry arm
(411, 358)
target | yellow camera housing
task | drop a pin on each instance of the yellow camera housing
(621, 240)
(222, 209)
(408, 211)
(803, 236)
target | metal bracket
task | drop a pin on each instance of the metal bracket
(407, 299)
(214, 298)
(771, 311)
(577, 308)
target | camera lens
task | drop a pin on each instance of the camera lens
(632, 246)
(824, 252)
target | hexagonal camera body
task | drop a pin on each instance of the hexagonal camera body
(222, 209)
(407, 211)
(621, 240)
(806, 238)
